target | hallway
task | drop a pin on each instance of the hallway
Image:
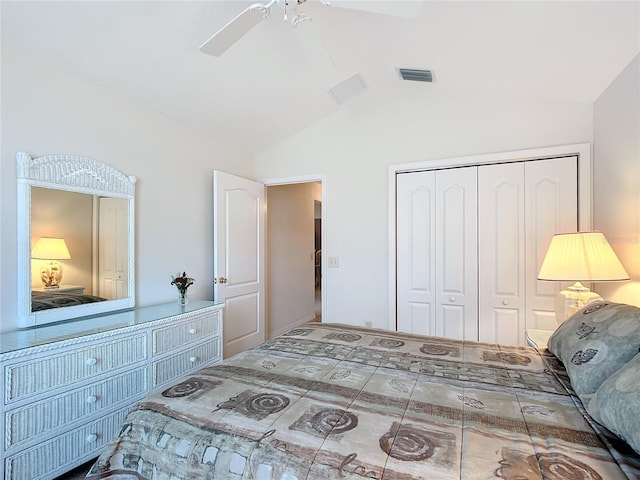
(318, 304)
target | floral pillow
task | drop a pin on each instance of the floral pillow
(596, 342)
(616, 404)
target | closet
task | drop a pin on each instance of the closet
(469, 241)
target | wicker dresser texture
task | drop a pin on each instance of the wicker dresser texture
(67, 387)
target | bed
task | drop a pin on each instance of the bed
(331, 401)
(46, 300)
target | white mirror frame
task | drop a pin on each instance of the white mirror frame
(75, 174)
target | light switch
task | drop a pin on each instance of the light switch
(334, 262)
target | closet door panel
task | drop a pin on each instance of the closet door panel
(456, 253)
(451, 322)
(551, 189)
(501, 256)
(415, 239)
(501, 322)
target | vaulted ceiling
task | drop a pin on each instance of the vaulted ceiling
(273, 82)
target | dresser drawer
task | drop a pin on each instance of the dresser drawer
(39, 418)
(174, 366)
(188, 331)
(36, 376)
(48, 458)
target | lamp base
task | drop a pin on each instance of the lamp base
(51, 275)
(573, 299)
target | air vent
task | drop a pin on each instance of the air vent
(347, 89)
(416, 75)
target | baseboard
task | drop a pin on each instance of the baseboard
(295, 324)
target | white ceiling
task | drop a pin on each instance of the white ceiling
(274, 81)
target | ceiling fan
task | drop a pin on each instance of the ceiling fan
(251, 16)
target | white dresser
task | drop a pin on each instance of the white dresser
(67, 386)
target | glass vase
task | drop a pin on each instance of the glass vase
(182, 298)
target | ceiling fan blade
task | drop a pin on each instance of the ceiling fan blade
(235, 29)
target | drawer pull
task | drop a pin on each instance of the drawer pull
(192, 331)
(193, 359)
(91, 438)
(92, 399)
(91, 361)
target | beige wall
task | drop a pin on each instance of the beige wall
(616, 184)
(68, 215)
(290, 255)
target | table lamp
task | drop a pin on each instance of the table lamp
(579, 257)
(52, 249)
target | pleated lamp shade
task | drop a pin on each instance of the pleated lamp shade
(581, 257)
(51, 248)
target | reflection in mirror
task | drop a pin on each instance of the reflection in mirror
(75, 238)
(79, 248)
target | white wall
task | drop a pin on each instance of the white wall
(290, 256)
(354, 148)
(45, 111)
(616, 185)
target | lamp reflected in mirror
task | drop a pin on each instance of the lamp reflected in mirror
(52, 249)
(579, 257)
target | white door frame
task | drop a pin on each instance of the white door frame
(582, 150)
(320, 177)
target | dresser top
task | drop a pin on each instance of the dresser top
(79, 327)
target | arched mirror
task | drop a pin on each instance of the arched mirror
(75, 238)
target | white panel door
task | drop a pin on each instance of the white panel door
(238, 217)
(501, 253)
(551, 199)
(113, 244)
(456, 253)
(415, 237)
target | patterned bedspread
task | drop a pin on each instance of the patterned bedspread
(328, 401)
(47, 300)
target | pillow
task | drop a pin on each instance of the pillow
(595, 342)
(616, 404)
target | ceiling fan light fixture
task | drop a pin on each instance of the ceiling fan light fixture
(297, 17)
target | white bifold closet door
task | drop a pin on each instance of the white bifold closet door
(470, 241)
(520, 207)
(437, 253)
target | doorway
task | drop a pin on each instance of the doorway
(293, 255)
